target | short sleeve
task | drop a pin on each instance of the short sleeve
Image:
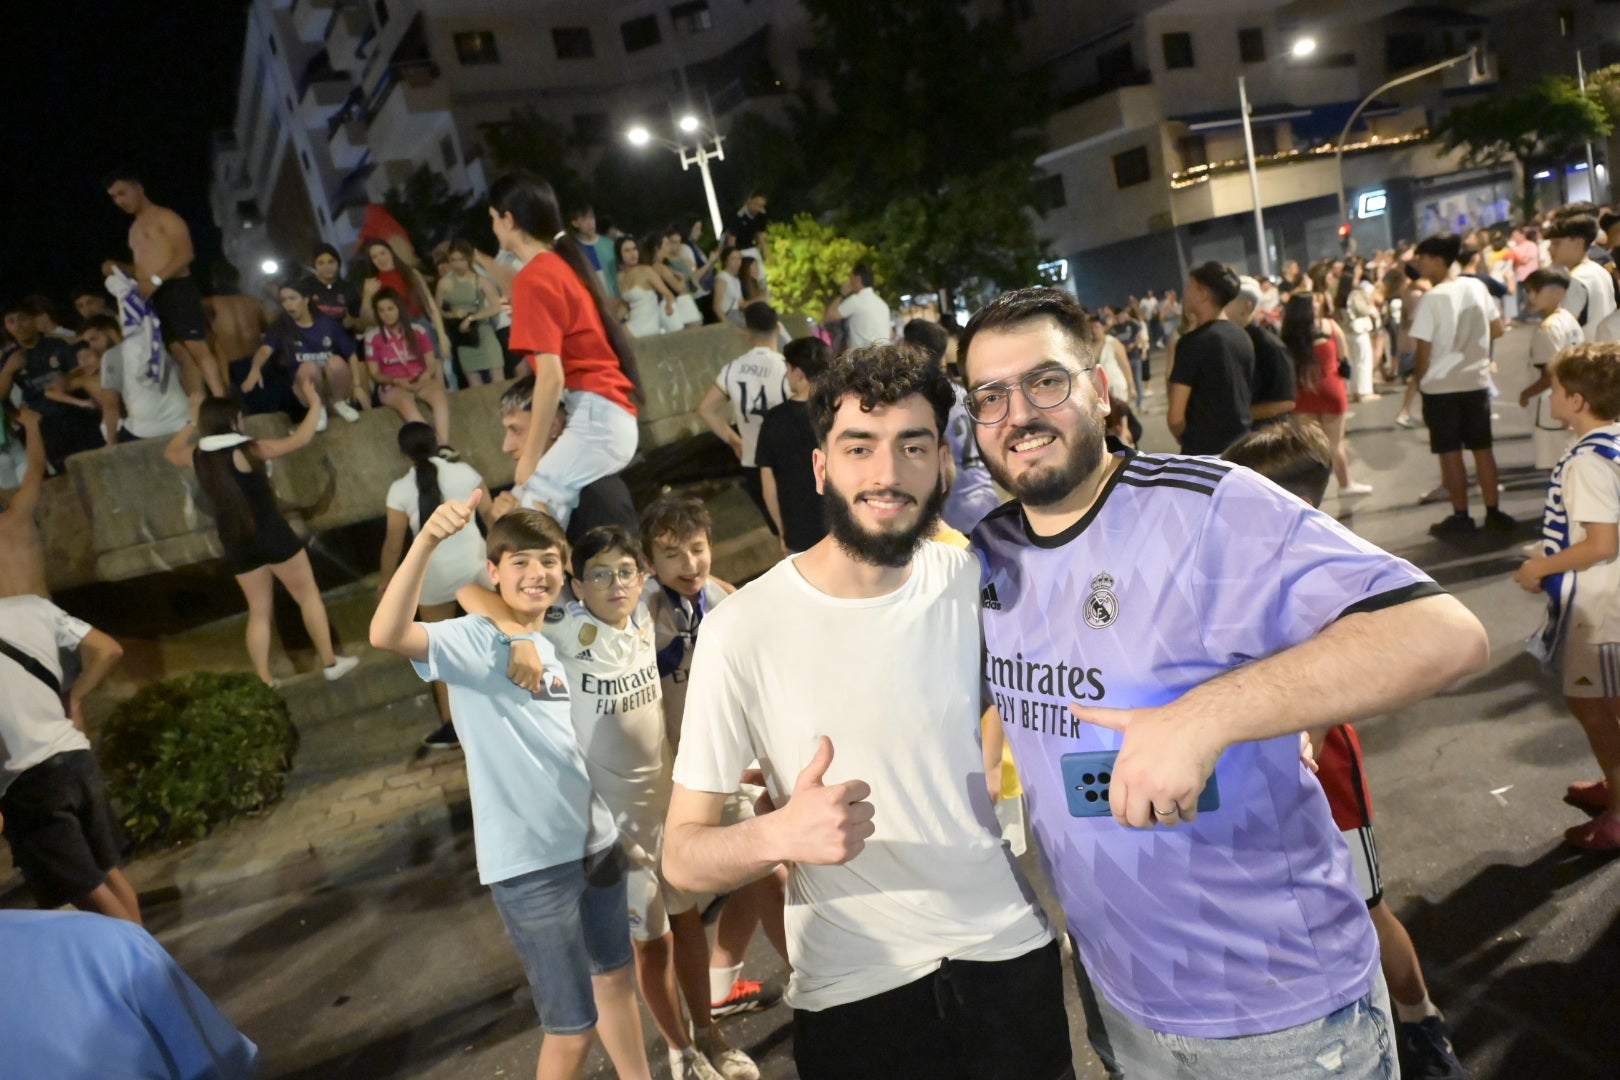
(1608, 329)
(398, 497)
(342, 343)
(1189, 359)
(68, 630)
(537, 309)
(1425, 321)
(1575, 297)
(190, 1031)
(458, 652)
(715, 744)
(1592, 489)
(1316, 571)
(370, 342)
(112, 369)
(765, 448)
(423, 345)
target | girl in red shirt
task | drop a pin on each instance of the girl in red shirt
(579, 352)
(404, 368)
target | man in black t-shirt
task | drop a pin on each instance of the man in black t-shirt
(748, 230)
(1272, 391)
(1213, 367)
(787, 440)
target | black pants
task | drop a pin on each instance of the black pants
(969, 1020)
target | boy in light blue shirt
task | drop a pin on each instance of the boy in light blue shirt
(546, 844)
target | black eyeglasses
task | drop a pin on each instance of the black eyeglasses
(1044, 388)
(604, 578)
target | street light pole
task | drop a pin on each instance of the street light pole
(1338, 153)
(1591, 167)
(700, 156)
(1254, 180)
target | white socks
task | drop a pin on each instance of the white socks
(721, 980)
(1414, 1014)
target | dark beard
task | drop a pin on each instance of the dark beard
(1053, 483)
(892, 549)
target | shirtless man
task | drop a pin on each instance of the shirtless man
(23, 568)
(161, 244)
(236, 322)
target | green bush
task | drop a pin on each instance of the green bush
(190, 753)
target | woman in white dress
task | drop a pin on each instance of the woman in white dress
(667, 246)
(456, 562)
(728, 287)
(641, 287)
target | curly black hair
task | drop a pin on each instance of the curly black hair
(880, 375)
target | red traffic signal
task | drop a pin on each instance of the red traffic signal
(1344, 231)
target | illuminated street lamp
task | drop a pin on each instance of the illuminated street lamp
(270, 267)
(695, 153)
(1302, 48)
(1299, 50)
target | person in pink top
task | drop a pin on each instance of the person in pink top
(1525, 244)
(404, 368)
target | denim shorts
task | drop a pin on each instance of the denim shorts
(1356, 1042)
(565, 932)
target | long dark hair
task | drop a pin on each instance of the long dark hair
(533, 206)
(1299, 334)
(417, 442)
(218, 474)
(406, 328)
(751, 288)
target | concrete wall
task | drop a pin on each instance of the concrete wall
(124, 512)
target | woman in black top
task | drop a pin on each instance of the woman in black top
(260, 547)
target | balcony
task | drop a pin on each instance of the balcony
(320, 98)
(310, 18)
(350, 36)
(1123, 109)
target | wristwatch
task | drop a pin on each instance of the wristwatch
(157, 282)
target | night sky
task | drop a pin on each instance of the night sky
(89, 83)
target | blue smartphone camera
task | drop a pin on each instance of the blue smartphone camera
(1087, 776)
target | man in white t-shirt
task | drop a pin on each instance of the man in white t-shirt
(136, 404)
(1590, 297)
(852, 671)
(1453, 330)
(866, 316)
(63, 833)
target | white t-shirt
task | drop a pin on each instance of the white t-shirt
(1607, 330)
(1556, 333)
(156, 409)
(1592, 494)
(618, 713)
(866, 319)
(33, 726)
(1591, 291)
(458, 560)
(733, 298)
(893, 681)
(1455, 319)
(756, 383)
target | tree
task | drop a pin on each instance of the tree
(809, 261)
(432, 212)
(1550, 119)
(928, 151)
(527, 140)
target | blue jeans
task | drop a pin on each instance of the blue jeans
(1356, 1043)
(1136, 374)
(565, 932)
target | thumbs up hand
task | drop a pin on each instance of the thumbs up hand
(824, 824)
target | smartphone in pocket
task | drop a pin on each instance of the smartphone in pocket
(1087, 777)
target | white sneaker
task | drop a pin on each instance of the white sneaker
(320, 425)
(345, 410)
(1355, 489)
(727, 1060)
(692, 1065)
(340, 667)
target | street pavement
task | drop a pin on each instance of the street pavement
(387, 959)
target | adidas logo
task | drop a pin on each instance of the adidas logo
(988, 597)
(1583, 681)
(586, 655)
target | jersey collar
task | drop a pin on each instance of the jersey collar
(1057, 540)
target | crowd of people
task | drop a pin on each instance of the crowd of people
(803, 764)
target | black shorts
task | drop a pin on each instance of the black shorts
(1460, 421)
(179, 308)
(61, 828)
(271, 546)
(970, 1020)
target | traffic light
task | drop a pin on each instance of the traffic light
(1344, 231)
(1344, 237)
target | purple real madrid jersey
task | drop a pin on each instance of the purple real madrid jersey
(1248, 920)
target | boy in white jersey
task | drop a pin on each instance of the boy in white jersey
(1123, 614)
(605, 644)
(1581, 577)
(1544, 291)
(917, 950)
(1591, 290)
(753, 384)
(675, 534)
(546, 843)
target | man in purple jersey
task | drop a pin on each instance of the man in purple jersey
(1193, 617)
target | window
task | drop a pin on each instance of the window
(476, 47)
(1049, 194)
(572, 42)
(1402, 51)
(447, 152)
(691, 17)
(591, 129)
(1132, 167)
(640, 33)
(1265, 140)
(1178, 51)
(1116, 66)
(1252, 45)
(1194, 150)
(382, 13)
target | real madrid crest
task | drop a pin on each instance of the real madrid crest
(587, 634)
(1102, 606)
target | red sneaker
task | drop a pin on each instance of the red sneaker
(1589, 795)
(1599, 834)
(745, 996)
